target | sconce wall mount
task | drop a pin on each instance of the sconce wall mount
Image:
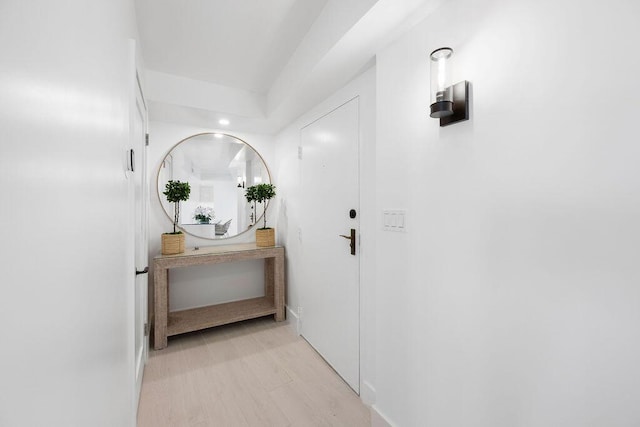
(449, 103)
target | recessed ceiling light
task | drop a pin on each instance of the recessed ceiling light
(223, 122)
(218, 135)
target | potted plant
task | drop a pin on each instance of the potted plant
(175, 192)
(262, 193)
(203, 214)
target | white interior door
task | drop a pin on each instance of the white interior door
(139, 161)
(330, 318)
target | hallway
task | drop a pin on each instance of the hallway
(254, 373)
(497, 257)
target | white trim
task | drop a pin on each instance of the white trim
(366, 227)
(294, 320)
(379, 420)
(133, 392)
(367, 393)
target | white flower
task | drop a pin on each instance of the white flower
(203, 212)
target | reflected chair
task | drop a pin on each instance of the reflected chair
(221, 229)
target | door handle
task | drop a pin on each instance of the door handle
(132, 160)
(145, 271)
(352, 238)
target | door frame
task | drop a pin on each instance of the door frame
(135, 86)
(364, 87)
(143, 171)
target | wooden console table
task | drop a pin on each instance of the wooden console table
(178, 322)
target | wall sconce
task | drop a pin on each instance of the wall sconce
(449, 103)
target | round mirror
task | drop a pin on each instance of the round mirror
(219, 168)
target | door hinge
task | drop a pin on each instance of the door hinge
(146, 329)
(299, 152)
(146, 139)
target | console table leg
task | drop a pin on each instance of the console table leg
(278, 278)
(161, 309)
(269, 277)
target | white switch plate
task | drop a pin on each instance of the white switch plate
(394, 220)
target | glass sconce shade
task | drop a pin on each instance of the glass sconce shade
(441, 90)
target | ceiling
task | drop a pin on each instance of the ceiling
(243, 44)
(259, 63)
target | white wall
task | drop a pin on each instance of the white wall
(204, 285)
(512, 300)
(288, 174)
(67, 260)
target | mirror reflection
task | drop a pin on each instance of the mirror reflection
(219, 168)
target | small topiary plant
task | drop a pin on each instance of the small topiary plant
(261, 193)
(177, 192)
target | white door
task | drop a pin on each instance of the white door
(139, 161)
(330, 300)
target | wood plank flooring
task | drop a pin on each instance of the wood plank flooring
(252, 373)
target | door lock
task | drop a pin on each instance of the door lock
(352, 238)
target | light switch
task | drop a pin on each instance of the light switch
(394, 220)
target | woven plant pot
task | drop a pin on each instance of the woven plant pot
(265, 237)
(172, 244)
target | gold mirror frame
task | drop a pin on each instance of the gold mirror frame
(162, 200)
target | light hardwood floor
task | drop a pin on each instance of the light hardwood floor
(252, 373)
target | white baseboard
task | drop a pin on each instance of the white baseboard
(379, 420)
(294, 320)
(367, 393)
